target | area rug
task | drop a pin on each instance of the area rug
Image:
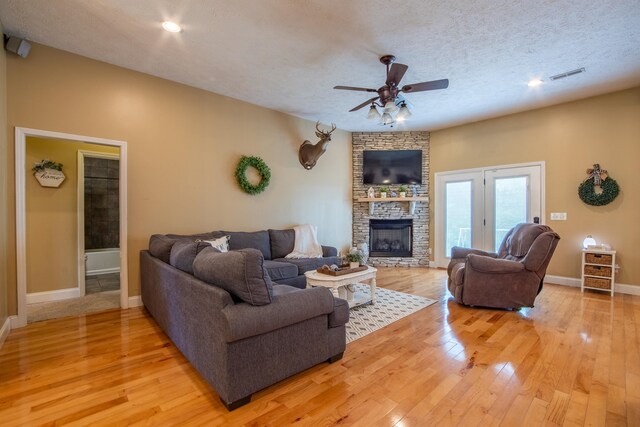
(390, 306)
(101, 301)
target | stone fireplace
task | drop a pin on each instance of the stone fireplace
(396, 236)
(390, 237)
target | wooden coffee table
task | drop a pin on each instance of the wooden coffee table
(339, 285)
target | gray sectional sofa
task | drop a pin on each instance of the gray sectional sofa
(231, 316)
(274, 246)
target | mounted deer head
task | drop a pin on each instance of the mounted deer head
(309, 153)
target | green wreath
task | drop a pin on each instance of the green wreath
(587, 192)
(260, 166)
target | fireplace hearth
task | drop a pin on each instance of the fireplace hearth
(390, 237)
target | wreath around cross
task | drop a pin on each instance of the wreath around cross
(587, 191)
(263, 171)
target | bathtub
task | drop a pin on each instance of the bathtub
(102, 261)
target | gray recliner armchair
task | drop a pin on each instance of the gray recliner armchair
(511, 278)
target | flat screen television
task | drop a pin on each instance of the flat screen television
(392, 167)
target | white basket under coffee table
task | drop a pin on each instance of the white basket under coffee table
(338, 285)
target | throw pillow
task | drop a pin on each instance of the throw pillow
(184, 252)
(221, 244)
(282, 242)
(255, 239)
(241, 273)
(160, 246)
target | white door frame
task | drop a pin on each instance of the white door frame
(20, 175)
(439, 201)
(81, 252)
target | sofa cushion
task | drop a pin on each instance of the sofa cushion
(256, 240)
(280, 270)
(519, 239)
(160, 246)
(289, 306)
(308, 264)
(299, 282)
(184, 252)
(241, 273)
(282, 242)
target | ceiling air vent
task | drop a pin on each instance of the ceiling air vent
(567, 74)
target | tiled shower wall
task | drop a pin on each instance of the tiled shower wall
(101, 203)
(391, 210)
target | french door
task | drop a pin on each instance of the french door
(475, 208)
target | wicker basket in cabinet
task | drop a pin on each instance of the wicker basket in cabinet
(598, 270)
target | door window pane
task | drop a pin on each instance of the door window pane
(510, 207)
(458, 215)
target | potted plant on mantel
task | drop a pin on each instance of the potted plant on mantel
(383, 192)
(402, 190)
(48, 173)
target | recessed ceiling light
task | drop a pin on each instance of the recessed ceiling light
(534, 83)
(172, 27)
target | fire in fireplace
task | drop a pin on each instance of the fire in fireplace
(390, 237)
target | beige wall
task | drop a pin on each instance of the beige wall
(52, 216)
(570, 138)
(3, 185)
(183, 144)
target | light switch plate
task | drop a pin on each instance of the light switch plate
(558, 216)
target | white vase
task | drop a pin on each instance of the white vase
(364, 248)
(383, 195)
(354, 264)
(403, 194)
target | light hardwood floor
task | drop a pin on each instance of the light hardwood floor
(572, 360)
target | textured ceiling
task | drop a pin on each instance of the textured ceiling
(288, 54)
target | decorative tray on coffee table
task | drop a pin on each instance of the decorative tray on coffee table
(342, 270)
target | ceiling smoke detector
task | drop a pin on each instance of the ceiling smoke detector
(567, 74)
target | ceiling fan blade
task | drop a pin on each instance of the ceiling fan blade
(362, 89)
(420, 87)
(367, 102)
(396, 73)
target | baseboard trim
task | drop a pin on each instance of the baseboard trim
(61, 294)
(103, 271)
(623, 288)
(561, 280)
(4, 331)
(14, 322)
(135, 301)
(620, 288)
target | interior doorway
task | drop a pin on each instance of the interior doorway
(26, 272)
(476, 208)
(98, 222)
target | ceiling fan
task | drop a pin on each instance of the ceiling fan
(389, 96)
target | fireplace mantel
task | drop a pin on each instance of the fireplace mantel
(412, 202)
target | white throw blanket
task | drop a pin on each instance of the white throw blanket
(306, 244)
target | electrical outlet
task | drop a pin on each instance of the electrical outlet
(558, 216)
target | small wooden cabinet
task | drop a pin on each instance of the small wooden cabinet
(598, 270)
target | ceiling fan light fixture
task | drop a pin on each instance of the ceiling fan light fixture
(404, 113)
(386, 119)
(390, 107)
(374, 114)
